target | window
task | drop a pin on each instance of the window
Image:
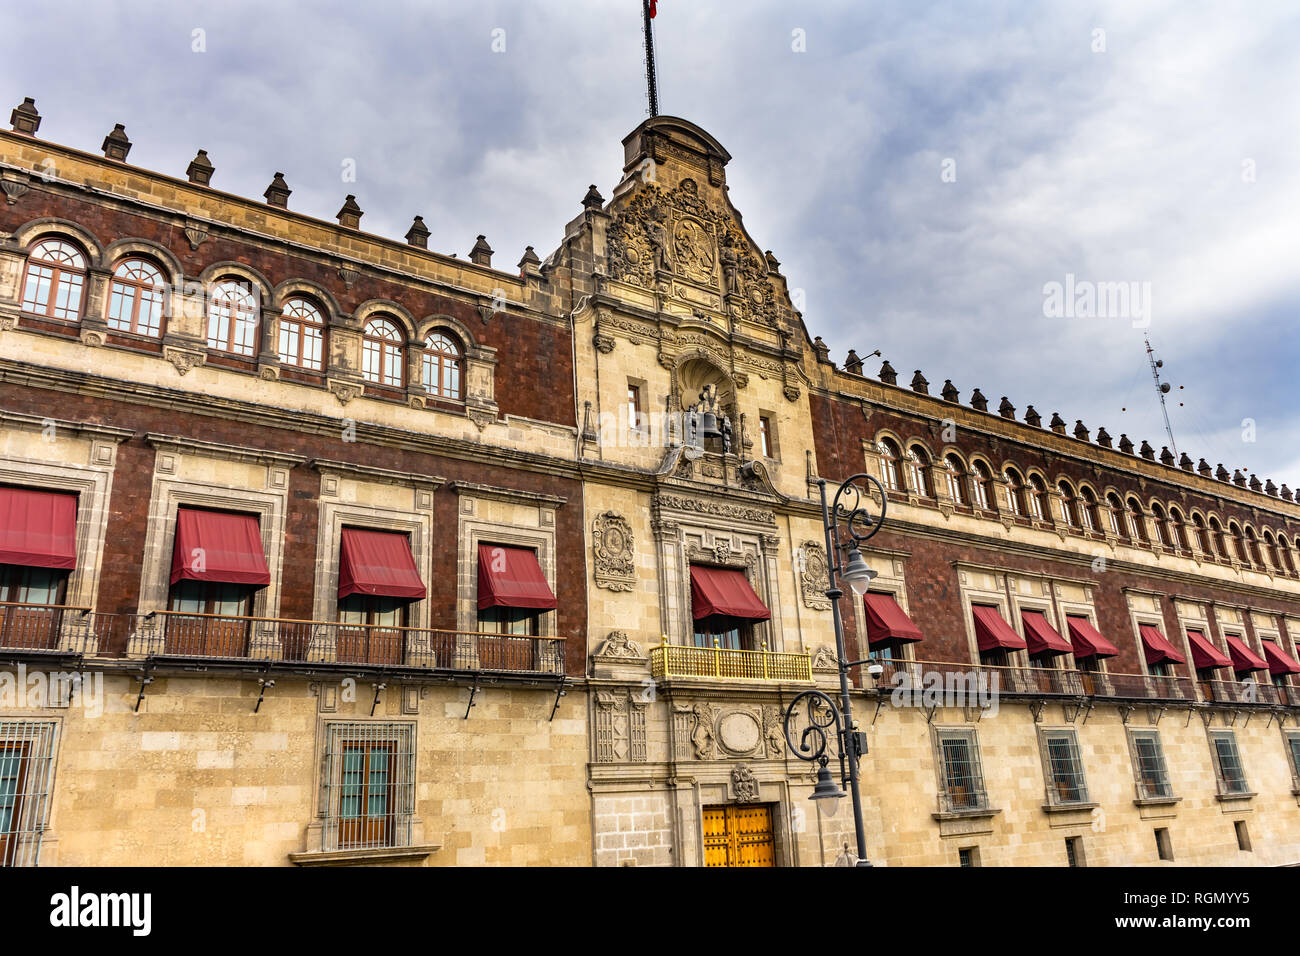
(1252, 548)
(1238, 545)
(918, 472)
(956, 477)
(381, 354)
(24, 585)
(1137, 521)
(26, 772)
(232, 318)
(515, 621)
(968, 856)
(372, 630)
(1069, 504)
(1074, 851)
(1270, 546)
(368, 785)
(891, 473)
(135, 298)
(1180, 529)
(302, 335)
(1164, 846)
(765, 436)
(1162, 526)
(983, 485)
(56, 278)
(1065, 782)
(1285, 549)
(1216, 534)
(1293, 751)
(1227, 762)
(1091, 520)
(1016, 493)
(1038, 499)
(1149, 766)
(634, 407)
(962, 778)
(1118, 524)
(1202, 535)
(1243, 835)
(442, 366)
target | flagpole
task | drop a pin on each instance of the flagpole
(652, 82)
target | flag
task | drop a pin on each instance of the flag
(653, 4)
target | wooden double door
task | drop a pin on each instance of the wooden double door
(739, 835)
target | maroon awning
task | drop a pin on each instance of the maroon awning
(38, 529)
(1204, 654)
(511, 577)
(1041, 637)
(993, 633)
(1279, 662)
(1158, 648)
(886, 621)
(379, 563)
(1243, 658)
(724, 592)
(218, 546)
(1087, 640)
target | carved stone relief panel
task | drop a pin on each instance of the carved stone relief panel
(814, 576)
(612, 544)
(620, 727)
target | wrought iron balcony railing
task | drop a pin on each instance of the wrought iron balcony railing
(676, 660)
(277, 640)
(52, 629)
(1246, 692)
(1031, 681)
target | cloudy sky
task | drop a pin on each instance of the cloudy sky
(922, 171)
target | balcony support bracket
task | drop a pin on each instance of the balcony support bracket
(880, 702)
(560, 691)
(379, 689)
(1036, 708)
(473, 692)
(1154, 714)
(1125, 712)
(930, 712)
(1088, 704)
(145, 680)
(1278, 714)
(1207, 717)
(968, 711)
(263, 684)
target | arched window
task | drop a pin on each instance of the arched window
(381, 354)
(956, 476)
(1038, 500)
(135, 298)
(983, 485)
(1180, 529)
(1216, 535)
(1091, 519)
(232, 317)
(442, 366)
(1252, 548)
(302, 335)
(1137, 521)
(1016, 493)
(56, 279)
(918, 472)
(1202, 535)
(1118, 523)
(1162, 526)
(1284, 549)
(1271, 548)
(891, 471)
(1238, 544)
(1069, 504)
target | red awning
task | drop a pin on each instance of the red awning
(1087, 640)
(992, 633)
(218, 546)
(511, 577)
(378, 563)
(1278, 660)
(1243, 658)
(1204, 654)
(724, 592)
(38, 529)
(1041, 637)
(886, 621)
(1158, 647)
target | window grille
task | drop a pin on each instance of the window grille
(1064, 768)
(1293, 748)
(367, 785)
(963, 778)
(1227, 762)
(1152, 775)
(26, 774)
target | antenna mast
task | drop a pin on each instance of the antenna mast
(1161, 389)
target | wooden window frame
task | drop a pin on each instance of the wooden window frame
(61, 274)
(383, 349)
(442, 364)
(139, 290)
(238, 312)
(297, 319)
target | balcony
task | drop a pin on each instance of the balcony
(1033, 682)
(52, 630)
(1247, 692)
(718, 663)
(214, 637)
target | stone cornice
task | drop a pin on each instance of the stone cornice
(38, 423)
(387, 475)
(473, 490)
(219, 450)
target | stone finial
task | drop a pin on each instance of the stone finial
(887, 373)
(593, 199)
(277, 194)
(1081, 430)
(1203, 468)
(978, 401)
(1032, 418)
(1146, 451)
(350, 215)
(1238, 478)
(1270, 488)
(1185, 462)
(1255, 483)
(481, 254)
(1057, 423)
(1221, 473)
(529, 263)
(418, 234)
(1103, 437)
(1286, 493)
(949, 391)
(822, 349)
(772, 264)
(24, 117)
(1167, 456)
(1006, 409)
(1125, 445)
(919, 384)
(116, 145)
(853, 364)
(199, 170)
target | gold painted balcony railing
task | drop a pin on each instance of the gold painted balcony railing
(720, 663)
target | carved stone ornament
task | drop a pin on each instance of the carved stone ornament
(8, 323)
(14, 190)
(791, 393)
(716, 509)
(703, 730)
(814, 578)
(774, 731)
(744, 784)
(611, 542)
(740, 734)
(345, 391)
(183, 360)
(349, 276)
(482, 417)
(619, 647)
(825, 659)
(93, 337)
(604, 343)
(196, 234)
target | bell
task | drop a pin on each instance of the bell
(710, 426)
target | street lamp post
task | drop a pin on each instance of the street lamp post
(849, 508)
